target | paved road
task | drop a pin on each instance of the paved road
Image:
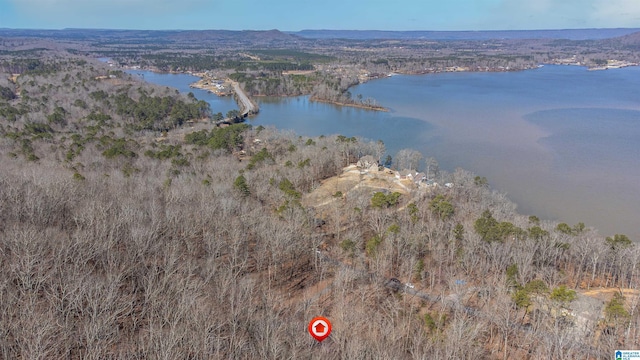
(246, 106)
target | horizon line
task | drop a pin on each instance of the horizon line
(320, 29)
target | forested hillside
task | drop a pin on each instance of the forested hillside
(122, 238)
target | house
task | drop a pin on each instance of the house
(367, 162)
(419, 177)
(394, 284)
(431, 183)
(404, 174)
(319, 328)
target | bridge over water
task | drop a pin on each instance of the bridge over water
(246, 106)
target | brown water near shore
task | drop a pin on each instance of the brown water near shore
(562, 142)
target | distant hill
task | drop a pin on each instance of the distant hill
(271, 36)
(570, 34)
(159, 35)
(250, 35)
(630, 41)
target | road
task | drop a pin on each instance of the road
(246, 106)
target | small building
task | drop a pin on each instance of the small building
(430, 183)
(404, 174)
(419, 177)
(367, 161)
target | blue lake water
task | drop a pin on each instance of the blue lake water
(182, 82)
(561, 141)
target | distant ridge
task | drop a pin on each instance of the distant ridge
(163, 36)
(254, 35)
(569, 34)
(273, 37)
(630, 41)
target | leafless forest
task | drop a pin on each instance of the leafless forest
(122, 238)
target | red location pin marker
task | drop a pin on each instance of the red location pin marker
(320, 328)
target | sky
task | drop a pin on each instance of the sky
(290, 15)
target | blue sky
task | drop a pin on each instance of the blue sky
(320, 14)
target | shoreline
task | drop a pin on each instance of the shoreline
(250, 104)
(210, 88)
(532, 206)
(247, 105)
(359, 106)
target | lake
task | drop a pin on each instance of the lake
(561, 141)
